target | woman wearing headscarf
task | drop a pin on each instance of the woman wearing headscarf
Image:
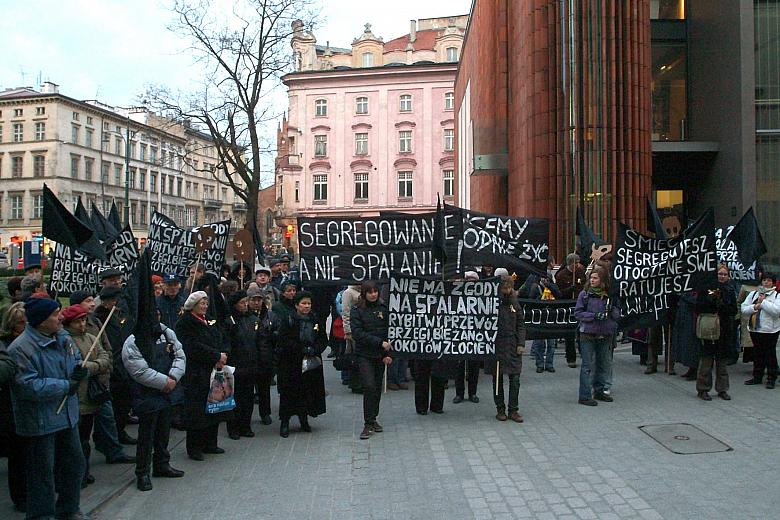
(762, 306)
(301, 393)
(203, 346)
(14, 446)
(369, 320)
(74, 318)
(244, 358)
(597, 314)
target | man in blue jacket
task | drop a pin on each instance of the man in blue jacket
(48, 370)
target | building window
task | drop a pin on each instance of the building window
(39, 111)
(142, 179)
(40, 131)
(132, 150)
(104, 173)
(449, 139)
(297, 191)
(178, 186)
(405, 103)
(320, 145)
(405, 141)
(452, 54)
(361, 105)
(74, 134)
(449, 101)
(105, 126)
(18, 112)
(37, 206)
(118, 174)
(361, 186)
(88, 140)
(131, 178)
(88, 168)
(17, 167)
(153, 154)
(142, 157)
(118, 146)
(133, 217)
(368, 59)
(668, 91)
(89, 120)
(1, 129)
(75, 116)
(404, 185)
(320, 188)
(17, 207)
(39, 166)
(153, 182)
(321, 108)
(449, 183)
(74, 167)
(361, 144)
(18, 132)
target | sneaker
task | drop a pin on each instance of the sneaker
(365, 434)
(588, 402)
(457, 399)
(704, 396)
(377, 428)
(603, 396)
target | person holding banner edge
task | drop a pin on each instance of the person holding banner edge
(597, 314)
(369, 322)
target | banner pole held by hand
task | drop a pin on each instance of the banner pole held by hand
(89, 352)
(384, 380)
(498, 374)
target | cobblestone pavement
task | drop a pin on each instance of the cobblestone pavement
(566, 461)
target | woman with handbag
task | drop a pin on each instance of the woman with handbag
(368, 320)
(716, 306)
(201, 339)
(762, 306)
(597, 313)
(93, 390)
(300, 380)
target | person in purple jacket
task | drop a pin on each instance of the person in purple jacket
(597, 313)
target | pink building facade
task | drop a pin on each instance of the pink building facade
(370, 129)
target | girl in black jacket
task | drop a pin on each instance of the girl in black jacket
(369, 330)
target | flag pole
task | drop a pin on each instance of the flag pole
(89, 352)
(497, 376)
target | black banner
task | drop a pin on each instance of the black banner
(516, 243)
(350, 250)
(72, 270)
(647, 270)
(434, 319)
(173, 248)
(728, 254)
(549, 319)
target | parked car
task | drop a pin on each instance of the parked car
(4, 261)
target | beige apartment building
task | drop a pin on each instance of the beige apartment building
(81, 149)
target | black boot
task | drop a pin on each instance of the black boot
(143, 483)
(304, 423)
(284, 428)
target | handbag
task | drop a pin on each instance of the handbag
(221, 398)
(310, 363)
(708, 327)
(97, 391)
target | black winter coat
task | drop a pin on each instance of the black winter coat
(243, 343)
(267, 328)
(300, 393)
(170, 309)
(511, 334)
(116, 337)
(202, 346)
(721, 299)
(369, 329)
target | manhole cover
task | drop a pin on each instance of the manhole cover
(685, 439)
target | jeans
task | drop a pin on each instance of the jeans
(704, 372)
(86, 422)
(396, 373)
(543, 351)
(372, 372)
(105, 433)
(514, 392)
(55, 467)
(472, 367)
(596, 367)
(154, 430)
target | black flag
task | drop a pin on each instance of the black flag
(655, 225)
(142, 318)
(61, 226)
(103, 228)
(439, 249)
(747, 237)
(588, 239)
(113, 216)
(81, 214)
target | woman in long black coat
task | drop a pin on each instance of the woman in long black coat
(202, 340)
(300, 393)
(244, 358)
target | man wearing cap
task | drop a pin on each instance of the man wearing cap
(263, 282)
(277, 275)
(171, 301)
(120, 391)
(48, 370)
(32, 285)
(33, 270)
(105, 433)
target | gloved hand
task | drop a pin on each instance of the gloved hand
(79, 373)
(74, 386)
(600, 316)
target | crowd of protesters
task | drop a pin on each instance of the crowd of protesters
(74, 376)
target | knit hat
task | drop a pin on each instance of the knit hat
(72, 313)
(77, 297)
(156, 278)
(254, 291)
(471, 275)
(36, 310)
(193, 299)
(236, 297)
(500, 271)
(263, 269)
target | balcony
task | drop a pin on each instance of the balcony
(212, 203)
(239, 206)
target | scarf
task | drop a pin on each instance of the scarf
(596, 291)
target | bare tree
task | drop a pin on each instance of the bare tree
(244, 50)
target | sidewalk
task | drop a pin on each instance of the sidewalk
(566, 461)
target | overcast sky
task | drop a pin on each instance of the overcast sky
(110, 49)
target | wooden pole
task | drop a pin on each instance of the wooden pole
(89, 352)
(384, 380)
(498, 374)
(195, 274)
